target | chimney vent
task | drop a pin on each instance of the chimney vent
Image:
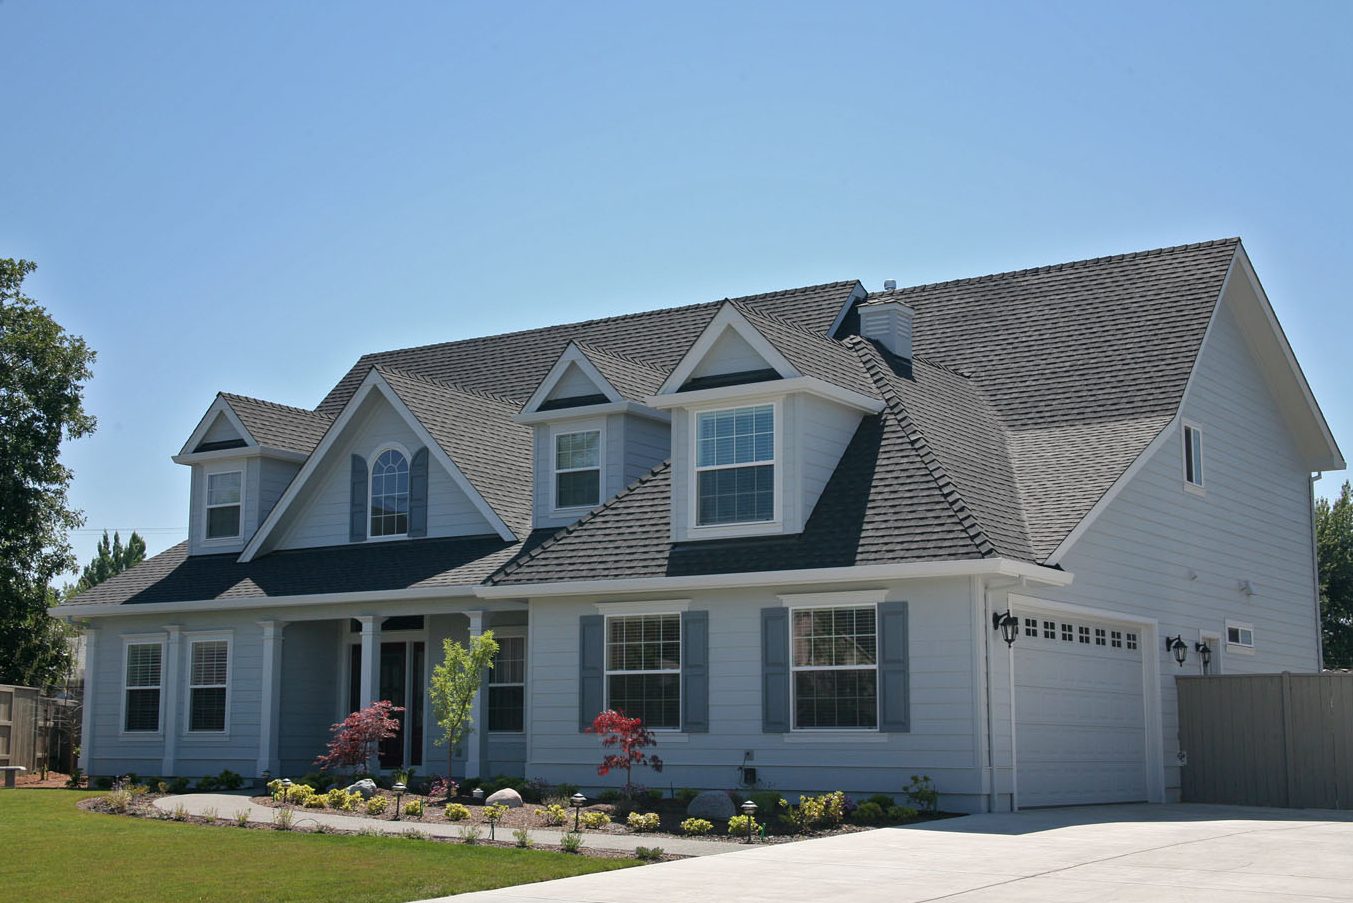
(889, 324)
(889, 285)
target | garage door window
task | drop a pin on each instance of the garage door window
(835, 663)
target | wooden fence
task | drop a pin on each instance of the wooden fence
(18, 726)
(1267, 739)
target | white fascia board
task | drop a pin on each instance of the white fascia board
(919, 570)
(779, 388)
(593, 410)
(373, 382)
(858, 293)
(273, 604)
(728, 317)
(218, 407)
(1289, 360)
(576, 356)
(252, 451)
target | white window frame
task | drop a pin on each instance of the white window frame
(1198, 486)
(508, 633)
(207, 506)
(607, 672)
(370, 494)
(740, 528)
(1240, 647)
(794, 669)
(569, 429)
(191, 640)
(142, 639)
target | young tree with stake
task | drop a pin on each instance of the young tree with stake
(454, 685)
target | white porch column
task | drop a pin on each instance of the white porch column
(87, 700)
(473, 759)
(371, 663)
(270, 694)
(169, 702)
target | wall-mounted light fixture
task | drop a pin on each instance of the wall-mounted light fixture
(1177, 646)
(1007, 624)
(1204, 654)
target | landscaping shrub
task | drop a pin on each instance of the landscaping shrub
(180, 813)
(103, 783)
(653, 795)
(901, 813)
(471, 833)
(119, 800)
(443, 789)
(343, 801)
(685, 795)
(922, 795)
(643, 822)
(882, 800)
(814, 812)
(210, 813)
(523, 838)
(320, 780)
(737, 825)
(376, 805)
(241, 818)
(869, 811)
(414, 808)
(355, 737)
(534, 790)
(564, 790)
(572, 842)
(229, 780)
(595, 820)
(696, 826)
(316, 801)
(609, 795)
(553, 814)
(282, 819)
(297, 793)
(629, 739)
(767, 803)
(177, 785)
(648, 854)
(457, 812)
(207, 784)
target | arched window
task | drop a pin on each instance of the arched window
(390, 494)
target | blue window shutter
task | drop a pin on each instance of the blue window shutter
(591, 668)
(418, 494)
(695, 672)
(357, 525)
(894, 664)
(775, 670)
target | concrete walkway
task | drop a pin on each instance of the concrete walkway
(1126, 854)
(227, 804)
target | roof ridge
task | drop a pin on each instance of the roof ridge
(581, 323)
(440, 384)
(1053, 267)
(275, 404)
(554, 539)
(948, 488)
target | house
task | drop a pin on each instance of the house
(821, 538)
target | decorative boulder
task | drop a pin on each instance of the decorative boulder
(505, 797)
(715, 805)
(366, 787)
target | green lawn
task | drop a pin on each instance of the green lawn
(55, 851)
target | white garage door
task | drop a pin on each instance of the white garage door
(1080, 734)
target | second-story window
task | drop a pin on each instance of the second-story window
(390, 494)
(735, 465)
(1193, 455)
(223, 504)
(577, 469)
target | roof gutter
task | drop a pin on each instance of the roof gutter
(983, 567)
(245, 603)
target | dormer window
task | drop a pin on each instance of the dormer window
(735, 465)
(224, 491)
(577, 469)
(390, 494)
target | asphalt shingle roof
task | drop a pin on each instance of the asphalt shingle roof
(633, 379)
(278, 425)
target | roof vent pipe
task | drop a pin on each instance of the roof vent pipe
(888, 323)
(890, 285)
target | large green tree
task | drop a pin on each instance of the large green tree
(110, 559)
(43, 370)
(1334, 540)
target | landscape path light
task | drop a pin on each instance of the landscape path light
(749, 810)
(578, 801)
(399, 789)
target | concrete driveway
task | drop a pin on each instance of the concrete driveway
(1177, 853)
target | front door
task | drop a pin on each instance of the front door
(401, 682)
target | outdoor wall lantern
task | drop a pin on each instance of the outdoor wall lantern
(399, 789)
(1204, 653)
(578, 801)
(1007, 624)
(749, 810)
(1177, 646)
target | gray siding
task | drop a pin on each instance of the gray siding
(221, 430)
(273, 478)
(1162, 551)
(320, 515)
(942, 741)
(730, 353)
(310, 703)
(647, 444)
(824, 430)
(632, 446)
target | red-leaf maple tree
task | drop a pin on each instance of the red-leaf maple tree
(355, 737)
(628, 738)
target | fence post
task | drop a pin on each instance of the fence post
(1289, 753)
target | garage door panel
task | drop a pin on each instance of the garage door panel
(1080, 723)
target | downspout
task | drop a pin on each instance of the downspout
(994, 795)
(1315, 577)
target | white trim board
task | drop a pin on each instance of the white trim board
(728, 317)
(219, 407)
(574, 356)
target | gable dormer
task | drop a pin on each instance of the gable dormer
(592, 433)
(761, 413)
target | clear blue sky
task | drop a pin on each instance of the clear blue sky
(248, 196)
